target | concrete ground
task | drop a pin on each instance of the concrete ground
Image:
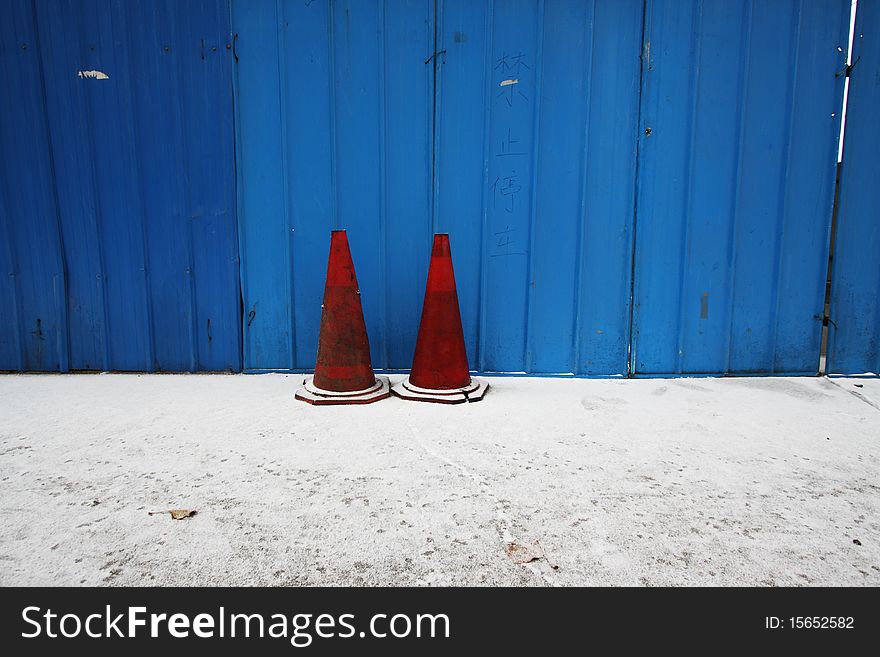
(761, 481)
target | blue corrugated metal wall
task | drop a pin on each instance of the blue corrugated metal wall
(118, 195)
(33, 321)
(556, 132)
(736, 184)
(536, 157)
(631, 186)
(854, 330)
(338, 127)
(335, 111)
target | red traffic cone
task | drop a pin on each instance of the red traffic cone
(343, 372)
(440, 369)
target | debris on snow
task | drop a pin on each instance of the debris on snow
(176, 514)
(521, 554)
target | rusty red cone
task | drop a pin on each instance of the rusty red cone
(343, 371)
(440, 370)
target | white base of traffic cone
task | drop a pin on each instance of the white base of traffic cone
(470, 393)
(313, 395)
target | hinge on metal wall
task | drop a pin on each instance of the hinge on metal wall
(826, 320)
(847, 70)
(439, 52)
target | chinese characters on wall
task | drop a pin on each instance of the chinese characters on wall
(509, 152)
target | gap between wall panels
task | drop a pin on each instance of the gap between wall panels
(832, 238)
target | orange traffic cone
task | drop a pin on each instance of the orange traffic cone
(343, 372)
(440, 369)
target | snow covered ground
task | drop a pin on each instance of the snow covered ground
(648, 482)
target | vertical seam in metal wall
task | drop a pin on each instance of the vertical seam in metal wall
(63, 332)
(97, 214)
(582, 218)
(13, 260)
(434, 89)
(6, 243)
(16, 292)
(239, 342)
(685, 241)
(533, 196)
(16, 287)
(826, 338)
(238, 179)
(190, 243)
(487, 115)
(734, 227)
(830, 237)
(331, 72)
(383, 180)
(138, 176)
(644, 69)
(280, 27)
(187, 201)
(783, 185)
(434, 140)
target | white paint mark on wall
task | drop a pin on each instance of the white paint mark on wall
(507, 83)
(97, 75)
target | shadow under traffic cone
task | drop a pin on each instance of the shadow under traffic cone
(440, 369)
(343, 372)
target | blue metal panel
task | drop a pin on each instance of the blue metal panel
(131, 127)
(854, 333)
(740, 113)
(32, 312)
(87, 37)
(520, 138)
(335, 110)
(513, 100)
(535, 178)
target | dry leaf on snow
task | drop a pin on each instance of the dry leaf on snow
(176, 514)
(521, 554)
